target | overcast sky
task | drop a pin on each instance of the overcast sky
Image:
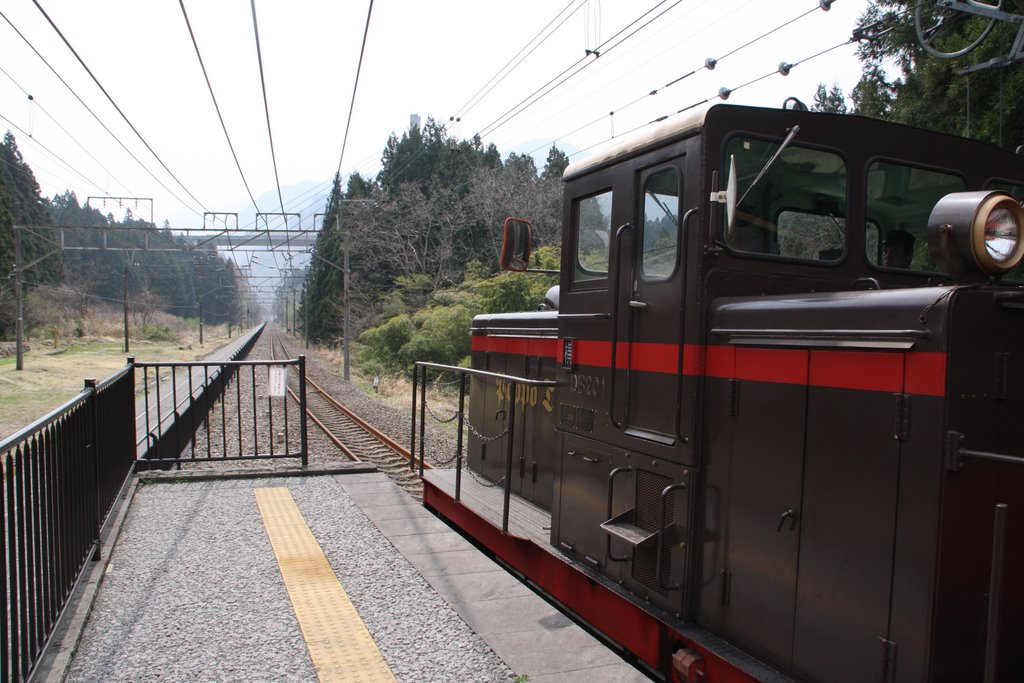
(425, 58)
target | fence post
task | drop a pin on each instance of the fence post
(508, 455)
(302, 407)
(132, 454)
(458, 446)
(412, 435)
(423, 423)
(94, 431)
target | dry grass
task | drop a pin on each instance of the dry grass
(53, 376)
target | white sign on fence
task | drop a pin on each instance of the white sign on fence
(278, 381)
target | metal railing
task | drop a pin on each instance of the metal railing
(61, 477)
(419, 385)
(220, 411)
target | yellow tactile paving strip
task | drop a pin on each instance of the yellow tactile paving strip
(339, 644)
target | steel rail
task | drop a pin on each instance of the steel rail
(377, 434)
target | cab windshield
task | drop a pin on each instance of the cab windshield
(797, 210)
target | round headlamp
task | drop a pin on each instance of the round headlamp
(980, 232)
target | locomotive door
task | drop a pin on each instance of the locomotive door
(650, 309)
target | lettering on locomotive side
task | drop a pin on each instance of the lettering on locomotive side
(527, 396)
(591, 386)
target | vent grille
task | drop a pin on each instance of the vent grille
(648, 500)
(646, 516)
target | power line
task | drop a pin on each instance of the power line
(94, 115)
(36, 103)
(114, 104)
(266, 105)
(709, 64)
(480, 94)
(355, 86)
(53, 154)
(551, 85)
(216, 106)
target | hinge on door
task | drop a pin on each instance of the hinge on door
(1002, 376)
(734, 397)
(725, 577)
(534, 475)
(888, 660)
(901, 428)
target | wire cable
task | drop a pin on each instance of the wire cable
(355, 86)
(216, 106)
(266, 106)
(114, 104)
(53, 154)
(480, 94)
(65, 130)
(96, 117)
(551, 85)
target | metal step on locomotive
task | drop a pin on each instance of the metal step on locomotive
(769, 428)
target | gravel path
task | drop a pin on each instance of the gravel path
(193, 592)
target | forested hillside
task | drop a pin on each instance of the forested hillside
(66, 284)
(425, 235)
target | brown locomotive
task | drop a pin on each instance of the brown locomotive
(770, 432)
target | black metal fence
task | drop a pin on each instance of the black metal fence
(221, 411)
(419, 405)
(61, 477)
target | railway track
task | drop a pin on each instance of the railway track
(355, 437)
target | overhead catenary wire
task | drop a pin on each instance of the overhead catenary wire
(52, 153)
(266, 104)
(582, 63)
(115, 105)
(725, 93)
(708, 64)
(501, 74)
(96, 116)
(355, 86)
(216, 106)
(71, 137)
(534, 97)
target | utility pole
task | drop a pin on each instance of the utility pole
(19, 302)
(126, 308)
(200, 295)
(347, 273)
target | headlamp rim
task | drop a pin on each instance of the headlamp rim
(979, 251)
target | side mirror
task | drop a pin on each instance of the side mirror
(728, 197)
(515, 245)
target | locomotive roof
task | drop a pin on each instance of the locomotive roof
(653, 136)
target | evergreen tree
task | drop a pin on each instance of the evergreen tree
(829, 101)
(556, 164)
(933, 93)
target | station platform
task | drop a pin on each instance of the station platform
(331, 574)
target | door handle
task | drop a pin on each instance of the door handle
(789, 514)
(638, 304)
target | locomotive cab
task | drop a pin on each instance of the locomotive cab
(788, 373)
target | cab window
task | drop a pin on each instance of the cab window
(900, 199)
(660, 225)
(593, 228)
(796, 210)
